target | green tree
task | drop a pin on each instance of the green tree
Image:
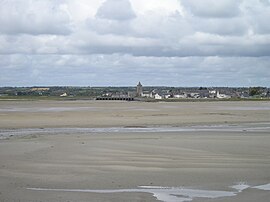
(253, 91)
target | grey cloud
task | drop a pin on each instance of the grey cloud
(222, 44)
(262, 25)
(113, 17)
(105, 26)
(33, 17)
(224, 26)
(116, 10)
(127, 70)
(213, 8)
(150, 34)
(171, 27)
(29, 44)
(198, 44)
(257, 14)
(175, 35)
(148, 25)
(265, 2)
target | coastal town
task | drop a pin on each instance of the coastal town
(138, 92)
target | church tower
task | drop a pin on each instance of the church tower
(139, 90)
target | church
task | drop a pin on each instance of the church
(139, 91)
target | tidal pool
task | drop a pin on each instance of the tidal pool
(169, 194)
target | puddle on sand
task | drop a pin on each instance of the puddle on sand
(265, 187)
(169, 194)
(166, 194)
(5, 133)
(240, 187)
(243, 186)
(247, 108)
(47, 109)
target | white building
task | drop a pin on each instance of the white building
(180, 96)
(64, 95)
(147, 94)
(157, 96)
(220, 96)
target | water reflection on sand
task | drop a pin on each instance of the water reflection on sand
(263, 127)
(69, 108)
(169, 194)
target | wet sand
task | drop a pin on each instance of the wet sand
(110, 160)
(49, 114)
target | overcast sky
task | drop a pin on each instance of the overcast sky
(121, 42)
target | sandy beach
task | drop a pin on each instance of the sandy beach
(35, 114)
(134, 151)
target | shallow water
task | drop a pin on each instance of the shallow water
(174, 194)
(169, 194)
(46, 109)
(265, 187)
(240, 187)
(69, 108)
(6, 133)
(247, 108)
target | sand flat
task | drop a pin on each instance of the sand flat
(35, 114)
(109, 160)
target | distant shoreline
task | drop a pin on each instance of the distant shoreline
(78, 98)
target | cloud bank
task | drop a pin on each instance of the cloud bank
(119, 42)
